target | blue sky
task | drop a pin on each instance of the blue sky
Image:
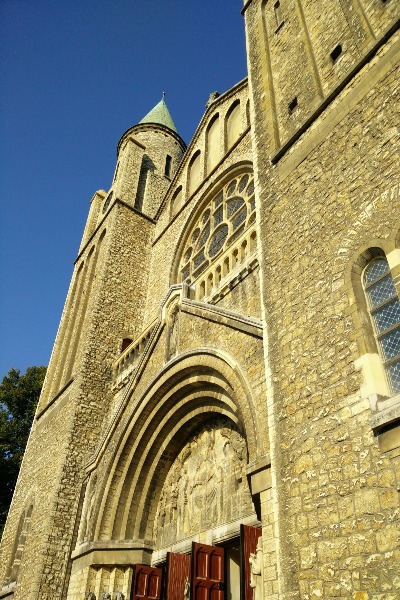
(75, 75)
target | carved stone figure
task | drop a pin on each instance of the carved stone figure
(206, 485)
(172, 335)
(91, 596)
(256, 567)
(119, 596)
(106, 596)
(213, 96)
(186, 591)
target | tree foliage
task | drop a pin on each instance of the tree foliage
(19, 395)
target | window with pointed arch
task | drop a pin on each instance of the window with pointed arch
(221, 222)
(384, 308)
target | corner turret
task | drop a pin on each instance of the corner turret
(148, 154)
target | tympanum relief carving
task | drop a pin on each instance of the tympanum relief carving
(206, 485)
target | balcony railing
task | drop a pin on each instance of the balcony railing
(128, 361)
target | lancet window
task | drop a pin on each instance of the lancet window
(384, 307)
(222, 221)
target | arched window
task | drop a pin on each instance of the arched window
(194, 172)
(233, 124)
(213, 144)
(221, 222)
(384, 308)
(176, 201)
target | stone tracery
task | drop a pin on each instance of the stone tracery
(221, 222)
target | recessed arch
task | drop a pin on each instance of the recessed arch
(176, 201)
(213, 149)
(194, 172)
(193, 389)
(233, 124)
(19, 545)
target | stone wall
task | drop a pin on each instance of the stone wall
(330, 197)
(66, 433)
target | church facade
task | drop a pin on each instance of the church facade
(221, 413)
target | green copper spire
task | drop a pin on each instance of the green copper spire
(161, 115)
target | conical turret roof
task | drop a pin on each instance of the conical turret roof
(160, 115)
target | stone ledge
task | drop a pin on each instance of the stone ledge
(259, 475)
(8, 590)
(51, 403)
(385, 411)
(112, 545)
(260, 465)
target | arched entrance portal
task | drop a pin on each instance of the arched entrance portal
(177, 476)
(204, 502)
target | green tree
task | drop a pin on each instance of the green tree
(19, 395)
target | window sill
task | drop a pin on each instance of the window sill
(8, 590)
(384, 410)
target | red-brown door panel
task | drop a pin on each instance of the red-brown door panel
(248, 544)
(208, 572)
(178, 572)
(146, 583)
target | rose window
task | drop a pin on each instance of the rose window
(222, 221)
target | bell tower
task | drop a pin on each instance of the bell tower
(104, 302)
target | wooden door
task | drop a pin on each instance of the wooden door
(177, 573)
(248, 544)
(146, 583)
(208, 573)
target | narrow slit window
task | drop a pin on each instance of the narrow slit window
(278, 14)
(293, 105)
(336, 52)
(107, 202)
(167, 171)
